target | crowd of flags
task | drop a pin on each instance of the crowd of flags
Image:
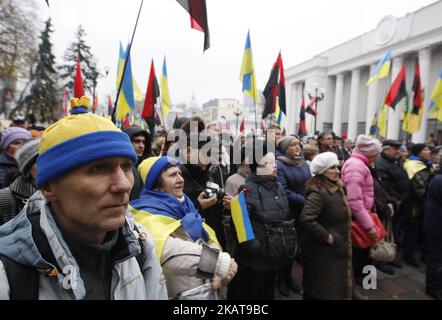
(274, 92)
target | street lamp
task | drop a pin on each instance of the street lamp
(319, 96)
(237, 113)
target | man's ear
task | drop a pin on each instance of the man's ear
(48, 192)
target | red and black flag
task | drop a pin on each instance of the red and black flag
(198, 17)
(152, 94)
(157, 119)
(302, 127)
(275, 89)
(397, 91)
(310, 109)
(417, 90)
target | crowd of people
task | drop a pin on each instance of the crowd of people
(88, 211)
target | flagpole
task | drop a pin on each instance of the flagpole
(254, 104)
(125, 63)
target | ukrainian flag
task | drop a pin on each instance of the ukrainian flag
(165, 99)
(436, 100)
(382, 121)
(138, 95)
(241, 218)
(247, 76)
(126, 101)
(382, 69)
(278, 114)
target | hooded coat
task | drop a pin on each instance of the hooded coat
(129, 281)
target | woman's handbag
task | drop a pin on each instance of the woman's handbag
(360, 237)
(281, 240)
(385, 250)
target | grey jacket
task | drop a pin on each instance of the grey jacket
(128, 281)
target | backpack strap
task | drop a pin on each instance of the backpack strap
(23, 280)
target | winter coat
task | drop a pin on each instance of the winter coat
(179, 255)
(266, 202)
(382, 198)
(327, 269)
(7, 165)
(195, 181)
(358, 181)
(13, 198)
(433, 208)
(419, 174)
(128, 280)
(293, 180)
(393, 177)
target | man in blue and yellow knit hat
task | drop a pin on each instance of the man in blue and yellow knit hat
(74, 233)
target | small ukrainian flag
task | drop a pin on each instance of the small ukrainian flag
(241, 218)
(382, 69)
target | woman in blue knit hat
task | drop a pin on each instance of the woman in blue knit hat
(187, 248)
(11, 140)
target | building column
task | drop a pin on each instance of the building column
(354, 104)
(394, 116)
(371, 102)
(337, 111)
(291, 111)
(424, 63)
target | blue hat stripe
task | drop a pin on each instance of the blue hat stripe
(76, 152)
(155, 170)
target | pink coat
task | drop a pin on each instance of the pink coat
(360, 190)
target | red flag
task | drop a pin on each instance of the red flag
(78, 82)
(152, 94)
(417, 90)
(310, 109)
(126, 121)
(198, 17)
(243, 125)
(397, 91)
(302, 127)
(65, 102)
(109, 105)
(95, 106)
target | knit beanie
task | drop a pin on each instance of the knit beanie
(417, 148)
(368, 146)
(151, 168)
(13, 134)
(322, 162)
(27, 155)
(77, 140)
(285, 142)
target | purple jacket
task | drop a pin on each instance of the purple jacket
(360, 190)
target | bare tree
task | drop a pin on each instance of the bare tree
(17, 45)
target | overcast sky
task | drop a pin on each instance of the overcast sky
(301, 29)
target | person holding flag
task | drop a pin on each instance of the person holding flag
(265, 207)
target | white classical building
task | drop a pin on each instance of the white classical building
(349, 105)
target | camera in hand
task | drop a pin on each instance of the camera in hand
(213, 188)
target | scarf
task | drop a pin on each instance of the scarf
(428, 163)
(290, 160)
(163, 203)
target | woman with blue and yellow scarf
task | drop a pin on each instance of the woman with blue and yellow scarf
(187, 248)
